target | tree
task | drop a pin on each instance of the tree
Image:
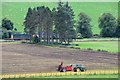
(39, 20)
(117, 32)
(48, 23)
(7, 24)
(71, 33)
(54, 32)
(40, 15)
(15, 29)
(45, 22)
(84, 25)
(107, 24)
(29, 23)
(64, 23)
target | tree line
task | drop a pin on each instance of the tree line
(59, 26)
(51, 25)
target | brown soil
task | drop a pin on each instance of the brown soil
(26, 58)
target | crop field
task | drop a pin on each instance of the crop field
(29, 58)
(16, 11)
(87, 74)
(110, 46)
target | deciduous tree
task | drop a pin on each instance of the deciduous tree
(84, 26)
(117, 32)
(107, 24)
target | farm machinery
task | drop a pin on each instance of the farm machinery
(75, 68)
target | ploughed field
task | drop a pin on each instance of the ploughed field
(29, 58)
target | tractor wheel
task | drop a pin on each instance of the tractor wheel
(61, 70)
(83, 70)
(77, 70)
(64, 70)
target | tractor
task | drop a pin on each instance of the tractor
(79, 68)
(76, 68)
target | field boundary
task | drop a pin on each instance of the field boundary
(90, 72)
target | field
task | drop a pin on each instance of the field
(29, 58)
(110, 46)
(85, 76)
(16, 11)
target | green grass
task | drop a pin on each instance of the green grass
(110, 46)
(11, 42)
(16, 11)
(85, 76)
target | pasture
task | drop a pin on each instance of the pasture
(16, 11)
(110, 46)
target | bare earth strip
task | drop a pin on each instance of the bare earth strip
(25, 58)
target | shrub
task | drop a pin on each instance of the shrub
(98, 50)
(71, 47)
(96, 36)
(89, 49)
(76, 44)
(104, 51)
(5, 35)
(77, 47)
(36, 39)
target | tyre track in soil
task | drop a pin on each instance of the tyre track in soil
(25, 58)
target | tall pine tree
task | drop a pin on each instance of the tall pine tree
(65, 22)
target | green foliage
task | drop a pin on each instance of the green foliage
(84, 25)
(39, 20)
(79, 36)
(117, 32)
(7, 24)
(59, 21)
(15, 29)
(107, 24)
(5, 35)
(29, 22)
(64, 22)
(36, 39)
(7, 28)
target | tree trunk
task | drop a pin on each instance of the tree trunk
(39, 33)
(52, 37)
(30, 38)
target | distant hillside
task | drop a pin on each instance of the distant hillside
(16, 11)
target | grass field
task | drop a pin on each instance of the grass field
(16, 11)
(86, 76)
(110, 46)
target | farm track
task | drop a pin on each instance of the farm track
(25, 58)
